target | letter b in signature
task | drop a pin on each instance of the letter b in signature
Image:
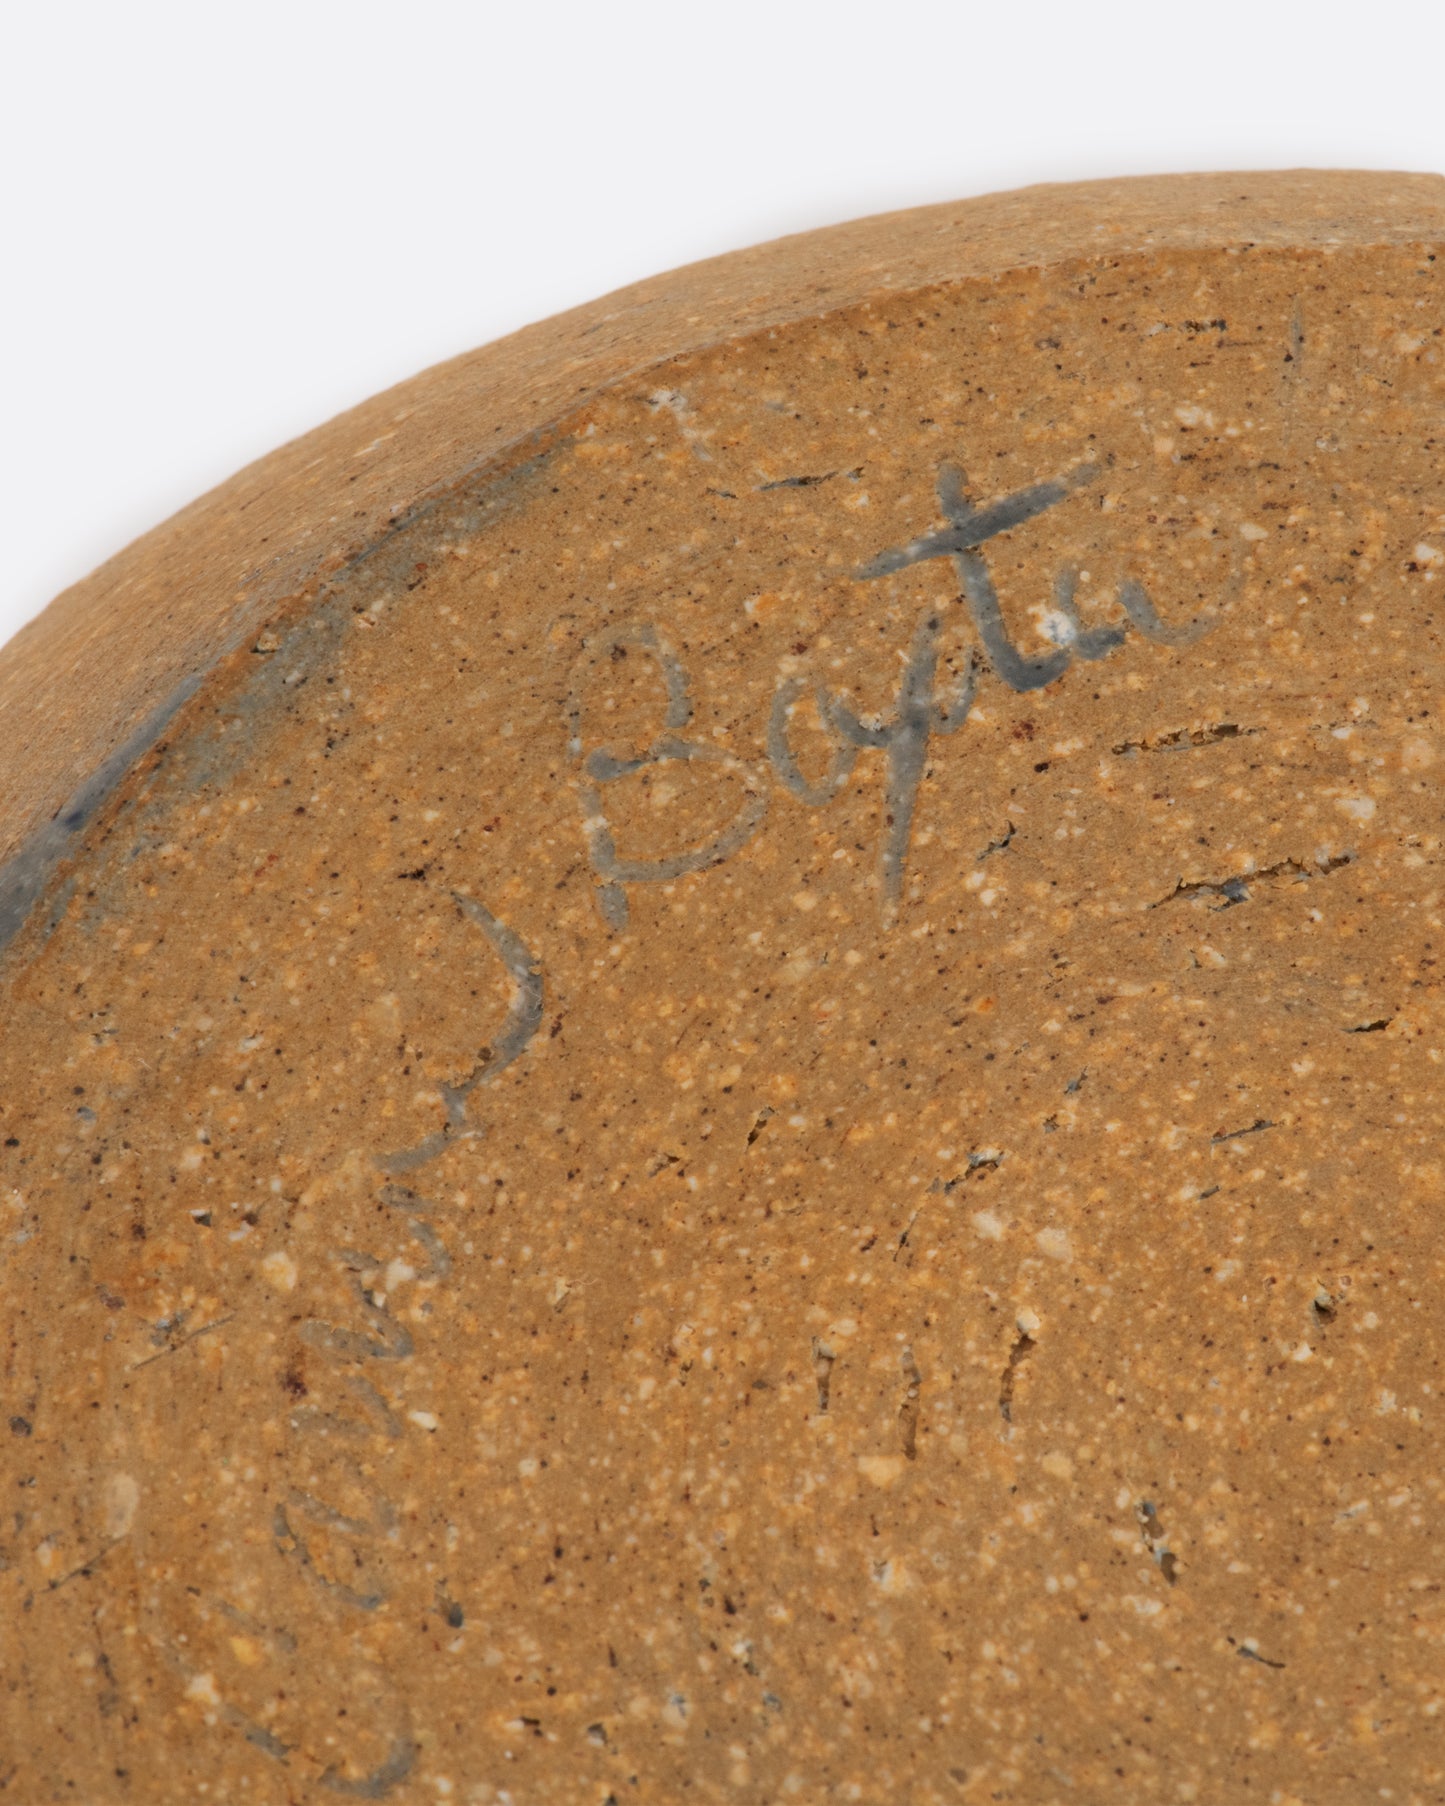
(601, 768)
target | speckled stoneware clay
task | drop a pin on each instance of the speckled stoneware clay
(723, 1055)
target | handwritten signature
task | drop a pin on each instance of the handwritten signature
(922, 708)
(903, 736)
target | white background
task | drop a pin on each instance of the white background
(224, 223)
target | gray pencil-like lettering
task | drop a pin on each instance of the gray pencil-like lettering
(917, 716)
(523, 1018)
(601, 767)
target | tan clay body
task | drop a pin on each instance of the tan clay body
(723, 1053)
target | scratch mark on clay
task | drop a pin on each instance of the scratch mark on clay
(1152, 1531)
(175, 1347)
(804, 482)
(1257, 1127)
(1233, 890)
(1008, 1380)
(909, 1409)
(823, 1358)
(87, 1567)
(997, 846)
(980, 1164)
(1184, 739)
(1239, 887)
(1293, 367)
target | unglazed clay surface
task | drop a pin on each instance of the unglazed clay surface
(744, 1101)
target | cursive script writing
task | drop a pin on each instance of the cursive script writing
(601, 767)
(962, 540)
(902, 737)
